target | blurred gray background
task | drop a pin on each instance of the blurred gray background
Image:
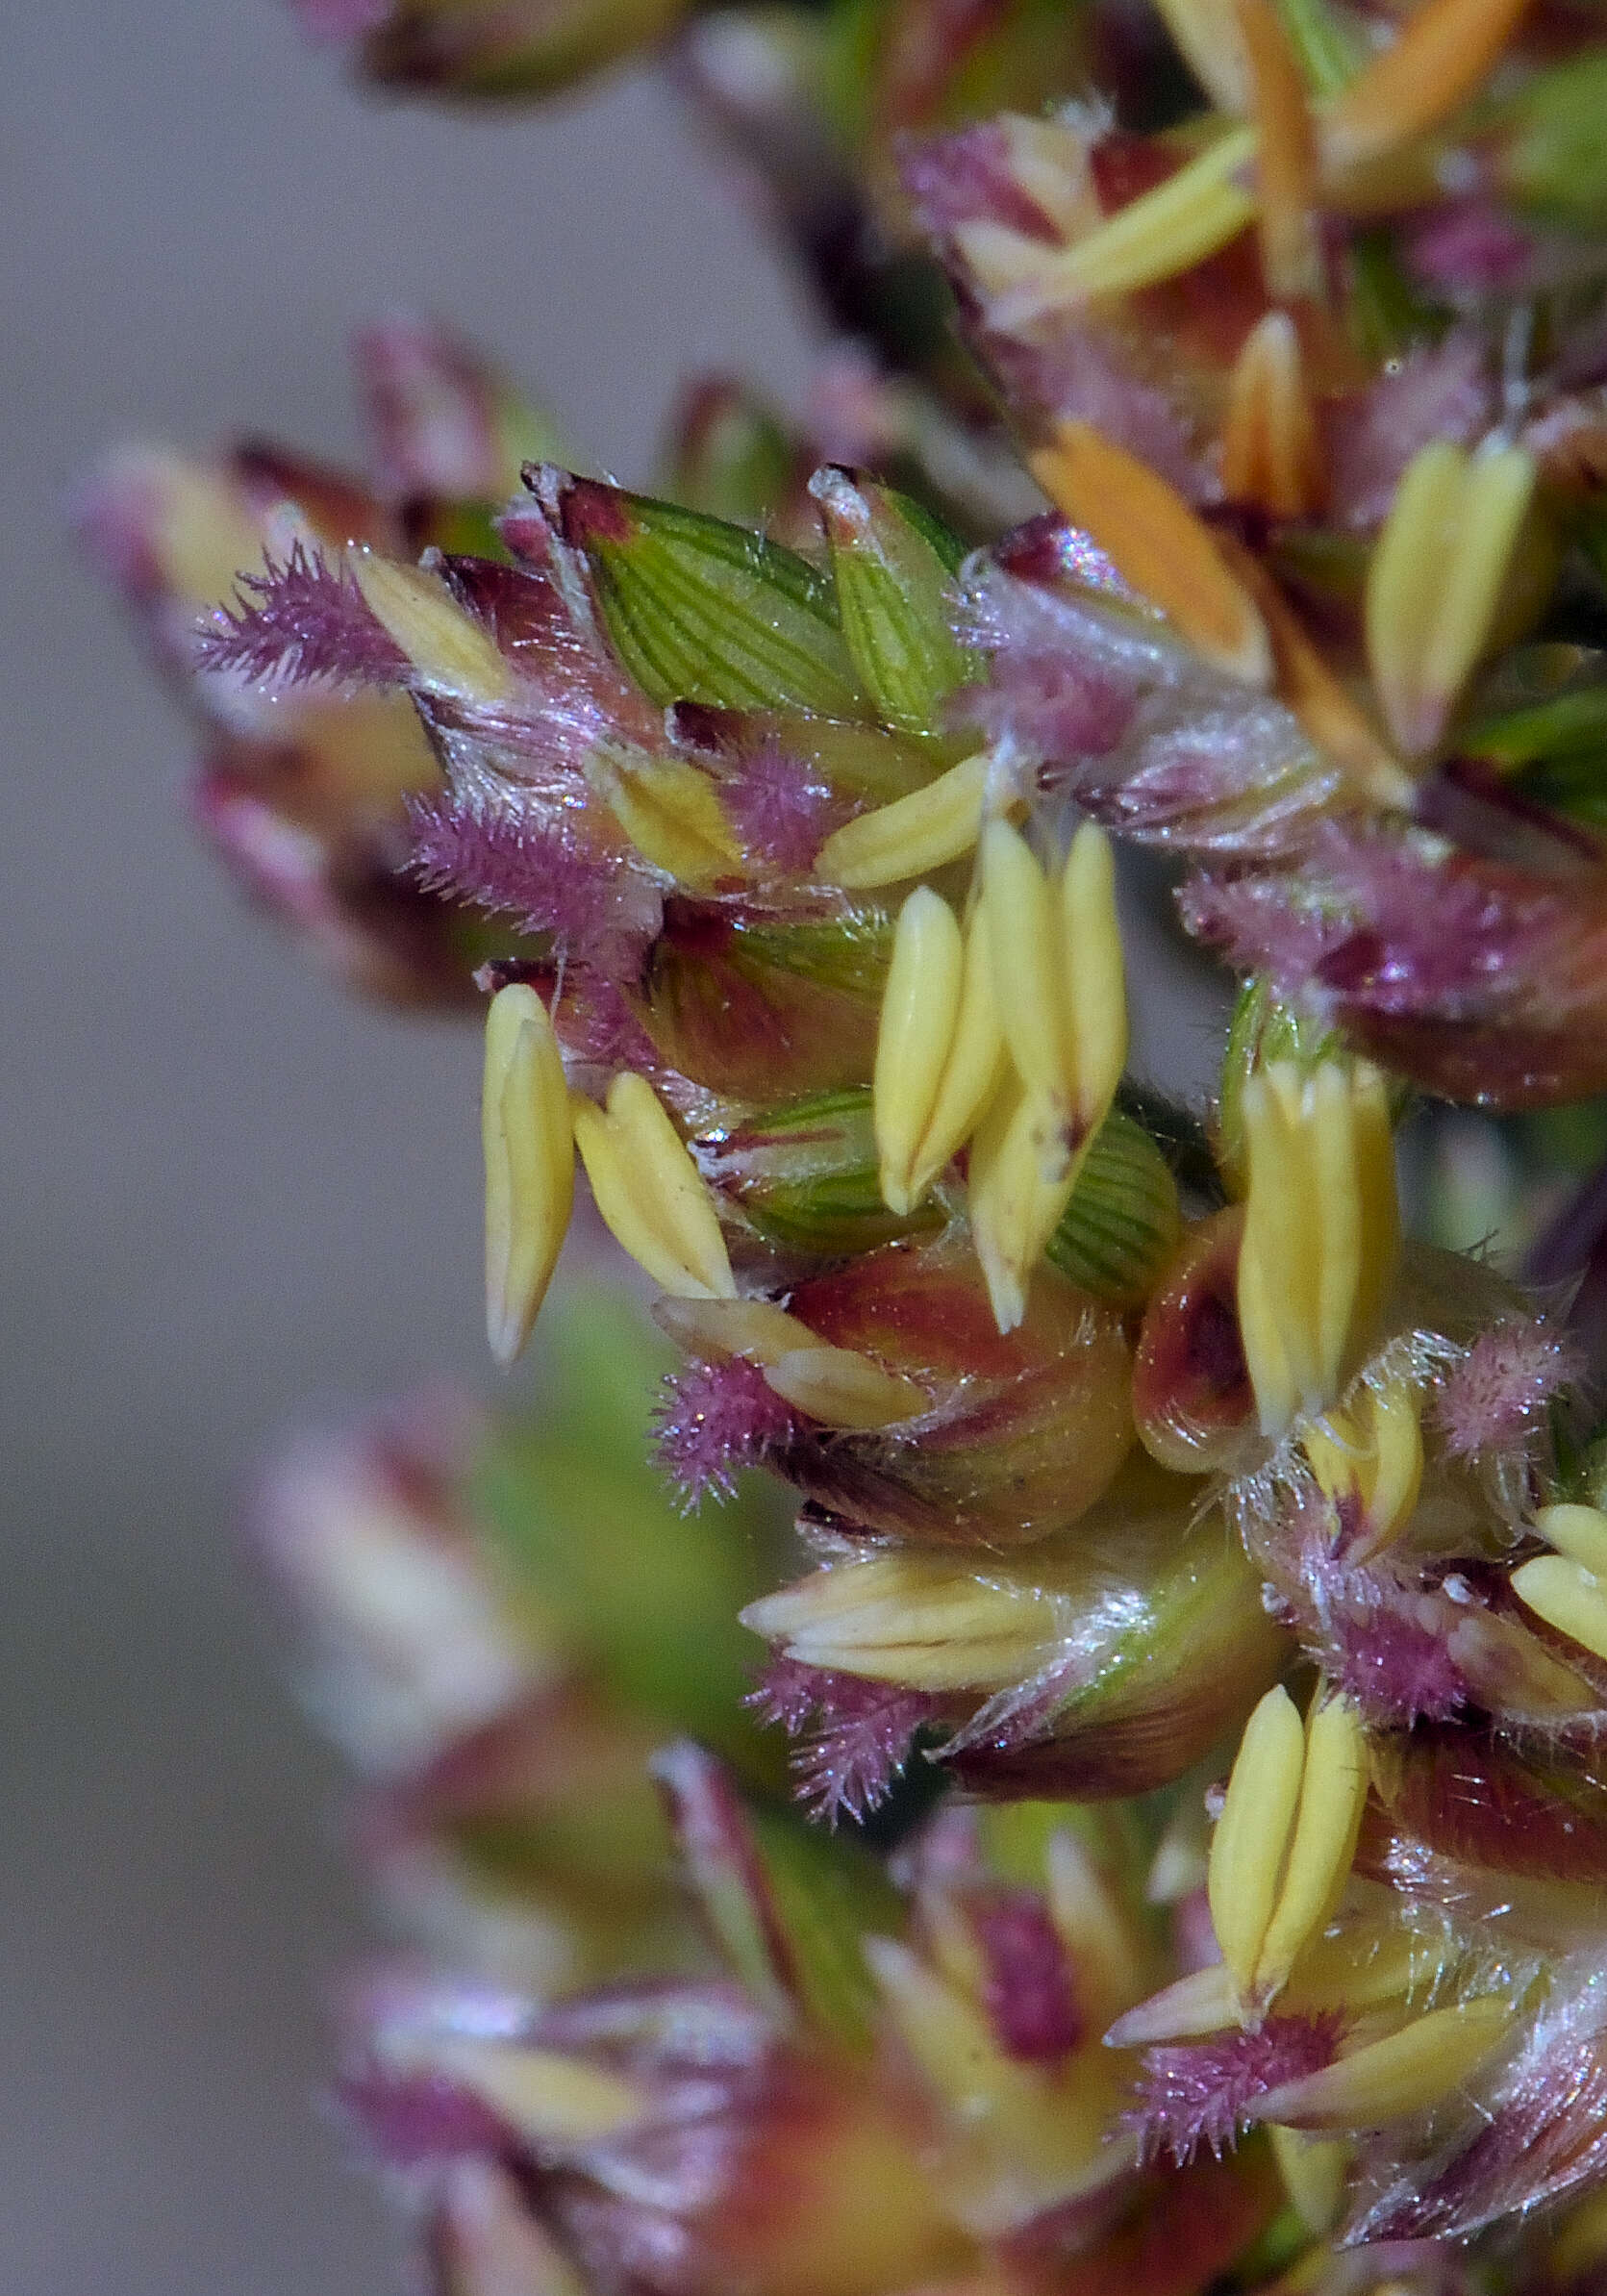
(231, 1197)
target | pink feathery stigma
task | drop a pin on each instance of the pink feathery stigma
(1443, 393)
(1468, 247)
(475, 848)
(1499, 1391)
(1198, 2093)
(413, 2119)
(967, 178)
(781, 811)
(1056, 708)
(1376, 921)
(298, 621)
(1027, 1990)
(1384, 1643)
(714, 1419)
(854, 1736)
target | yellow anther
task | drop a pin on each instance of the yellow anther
(1208, 33)
(550, 2099)
(1093, 975)
(921, 1012)
(1022, 2140)
(719, 1328)
(1164, 549)
(446, 646)
(1333, 1794)
(1028, 977)
(1313, 2170)
(1252, 1833)
(1577, 1531)
(649, 1192)
(530, 1164)
(841, 1388)
(971, 1071)
(1322, 1231)
(914, 1617)
(1567, 1597)
(1445, 49)
(1155, 237)
(1437, 579)
(1286, 156)
(1014, 1209)
(1106, 1945)
(669, 812)
(1425, 2062)
(1055, 953)
(1270, 455)
(910, 837)
(1371, 1455)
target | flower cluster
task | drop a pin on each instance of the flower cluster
(1193, 1663)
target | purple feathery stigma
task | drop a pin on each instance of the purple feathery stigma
(853, 1736)
(1197, 2093)
(780, 810)
(302, 621)
(1028, 1989)
(713, 1419)
(1498, 1392)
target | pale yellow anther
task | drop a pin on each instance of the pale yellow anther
(1333, 1794)
(1567, 1597)
(1021, 2140)
(1014, 1209)
(1436, 580)
(669, 812)
(1093, 975)
(1577, 1531)
(1270, 454)
(530, 1164)
(1207, 32)
(549, 2099)
(649, 1192)
(1155, 237)
(1313, 2170)
(448, 650)
(1028, 976)
(1424, 2063)
(1252, 1834)
(1322, 1231)
(921, 1012)
(1055, 951)
(1445, 49)
(1106, 1946)
(1371, 1453)
(755, 1330)
(972, 1068)
(841, 1388)
(910, 837)
(914, 1617)
(1161, 546)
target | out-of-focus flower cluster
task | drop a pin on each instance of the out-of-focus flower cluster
(1194, 1666)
